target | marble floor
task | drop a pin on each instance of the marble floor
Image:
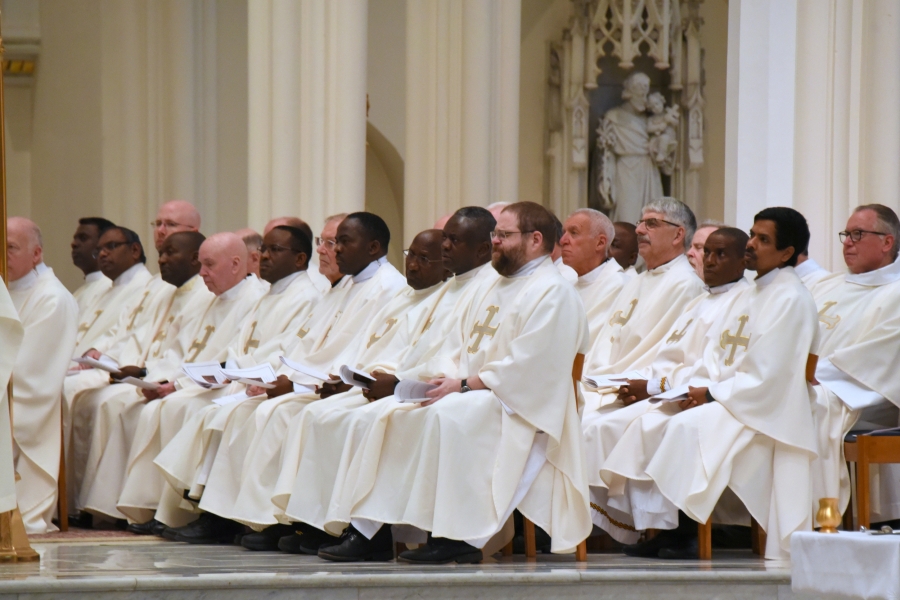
(122, 570)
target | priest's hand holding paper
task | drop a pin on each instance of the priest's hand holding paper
(696, 397)
(446, 386)
(633, 391)
(283, 385)
(382, 387)
(92, 353)
(162, 391)
(330, 389)
(129, 371)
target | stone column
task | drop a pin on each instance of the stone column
(462, 108)
(307, 108)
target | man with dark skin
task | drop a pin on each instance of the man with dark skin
(723, 263)
(462, 249)
(624, 248)
(178, 261)
(116, 254)
(85, 241)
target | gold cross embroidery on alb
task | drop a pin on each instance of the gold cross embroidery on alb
(618, 319)
(677, 335)
(826, 319)
(387, 327)
(734, 340)
(251, 343)
(84, 327)
(198, 346)
(137, 310)
(483, 329)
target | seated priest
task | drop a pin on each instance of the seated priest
(49, 314)
(335, 328)
(95, 410)
(855, 389)
(500, 433)
(624, 247)
(84, 242)
(744, 424)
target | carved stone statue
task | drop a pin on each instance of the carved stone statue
(635, 149)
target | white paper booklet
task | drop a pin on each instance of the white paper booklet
(104, 364)
(205, 374)
(676, 394)
(307, 370)
(615, 380)
(412, 391)
(145, 385)
(352, 376)
(261, 375)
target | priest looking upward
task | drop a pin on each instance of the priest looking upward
(95, 410)
(507, 414)
(676, 362)
(859, 321)
(650, 303)
(329, 438)
(624, 247)
(49, 314)
(84, 242)
(360, 248)
(747, 427)
(585, 243)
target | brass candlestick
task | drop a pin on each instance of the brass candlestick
(828, 517)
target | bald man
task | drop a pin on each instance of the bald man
(223, 268)
(174, 216)
(49, 314)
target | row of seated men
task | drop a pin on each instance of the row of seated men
(341, 471)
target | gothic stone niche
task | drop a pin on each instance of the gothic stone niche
(651, 143)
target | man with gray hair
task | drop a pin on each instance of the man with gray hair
(49, 314)
(587, 235)
(649, 303)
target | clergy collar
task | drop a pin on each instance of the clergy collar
(529, 267)
(721, 289)
(26, 281)
(232, 293)
(427, 291)
(664, 268)
(283, 283)
(92, 277)
(767, 278)
(471, 272)
(369, 272)
(807, 268)
(126, 277)
(882, 276)
(594, 275)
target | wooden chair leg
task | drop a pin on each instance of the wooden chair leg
(508, 549)
(581, 552)
(530, 544)
(704, 540)
(398, 548)
(862, 488)
(62, 503)
(757, 538)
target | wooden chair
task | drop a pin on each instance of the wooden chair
(757, 535)
(528, 526)
(865, 449)
(62, 499)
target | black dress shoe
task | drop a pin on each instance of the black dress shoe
(265, 540)
(83, 520)
(355, 547)
(651, 548)
(144, 528)
(688, 549)
(208, 529)
(158, 527)
(440, 551)
(307, 541)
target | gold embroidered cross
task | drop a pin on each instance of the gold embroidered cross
(734, 340)
(618, 319)
(483, 329)
(161, 336)
(375, 337)
(198, 346)
(303, 328)
(826, 319)
(251, 343)
(84, 327)
(137, 310)
(677, 335)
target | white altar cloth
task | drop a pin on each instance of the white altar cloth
(846, 564)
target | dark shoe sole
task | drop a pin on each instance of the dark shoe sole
(382, 556)
(469, 558)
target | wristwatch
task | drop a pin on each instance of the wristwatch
(463, 388)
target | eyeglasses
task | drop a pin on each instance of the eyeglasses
(165, 224)
(422, 260)
(856, 235)
(502, 235)
(109, 247)
(272, 248)
(654, 223)
(328, 243)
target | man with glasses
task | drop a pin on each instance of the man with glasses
(857, 386)
(320, 281)
(84, 242)
(49, 314)
(174, 216)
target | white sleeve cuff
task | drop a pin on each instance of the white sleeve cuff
(654, 386)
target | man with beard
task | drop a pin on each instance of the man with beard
(84, 242)
(499, 433)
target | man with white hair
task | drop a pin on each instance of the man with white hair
(695, 252)
(587, 236)
(495, 208)
(49, 315)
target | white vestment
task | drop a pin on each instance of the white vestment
(567, 272)
(677, 361)
(11, 334)
(811, 273)
(757, 438)
(459, 467)
(333, 340)
(49, 315)
(598, 290)
(88, 293)
(859, 329)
